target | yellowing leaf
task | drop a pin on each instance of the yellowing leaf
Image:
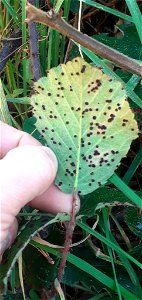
(85, 119)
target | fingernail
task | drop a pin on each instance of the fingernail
(51, 155)
(6, 243)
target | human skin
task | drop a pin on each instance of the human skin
(27, 173)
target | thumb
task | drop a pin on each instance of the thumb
(26, 172)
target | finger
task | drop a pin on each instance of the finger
(12, 138)
(26, 172)
(8, 237)
(54, 200)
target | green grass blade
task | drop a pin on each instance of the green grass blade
(136, 16)
(126, 190)
(86, 267)
(105, 217)
(4, 111)
(13, 280)
(126, 264)
(23, 100)
(133, 167)
(12, 12)
(133, 82)
(121, 230)
(58, 5)
(108, 242)
(109, 10)
(55, 52)
(49, 55)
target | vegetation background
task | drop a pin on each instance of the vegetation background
(108, 264)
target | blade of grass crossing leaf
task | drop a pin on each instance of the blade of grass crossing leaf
(107, 281)
(97, 61)
(109, 10)
(126, 190)
(86, 267)
(12, 12)
(136, 15)
(21, 276)
(107, 242)
(106, 225)
(133, 82)
(24, 36)
(23, 100)
(133, 167)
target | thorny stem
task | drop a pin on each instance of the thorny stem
(55, 21)
(68, 238)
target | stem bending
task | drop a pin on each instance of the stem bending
(55, 21)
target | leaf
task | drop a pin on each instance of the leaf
(74, 275)
(133, 219)
(129, 44)
(29, 127)
(104, 196)
(85, 119)
(22, 240)
(74, 6)
(136, 252)
(39, 273)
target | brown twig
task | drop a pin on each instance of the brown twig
(55, 21)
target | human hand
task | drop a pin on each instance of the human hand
(27, 171)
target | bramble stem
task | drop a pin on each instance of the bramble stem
(55, 21)
(68, 238)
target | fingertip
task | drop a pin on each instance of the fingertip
(51, 155)
(28, 171)
(8, 236)
(55, 201)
